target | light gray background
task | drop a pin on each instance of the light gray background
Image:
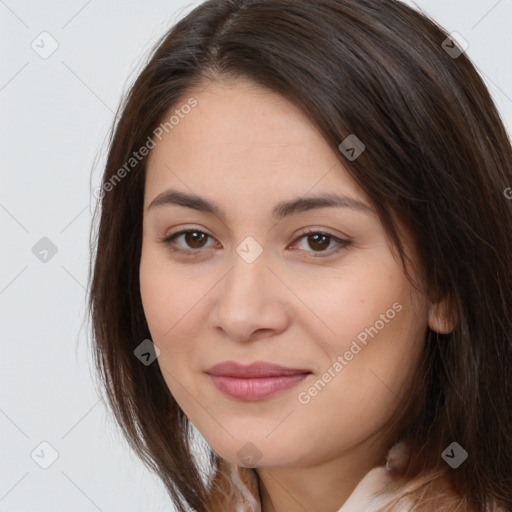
(55, 115)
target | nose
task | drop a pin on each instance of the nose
(250, 302)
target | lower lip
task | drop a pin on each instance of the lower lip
(255, 388)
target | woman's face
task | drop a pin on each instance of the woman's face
(312, 288)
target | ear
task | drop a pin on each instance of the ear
(442, 316)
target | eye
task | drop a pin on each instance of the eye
(320, 241)
(193, 239)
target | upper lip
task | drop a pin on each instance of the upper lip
(254, 370)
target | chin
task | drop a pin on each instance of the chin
(251, 450)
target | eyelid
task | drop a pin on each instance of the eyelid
(318, 230)
(185, 228)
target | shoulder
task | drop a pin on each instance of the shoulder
(379, 486)
(385, 489)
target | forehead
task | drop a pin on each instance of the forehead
(247, 141)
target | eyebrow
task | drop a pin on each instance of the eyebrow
(279, 212)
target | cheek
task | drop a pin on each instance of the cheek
(359, 387)
(163, 312)
(174, 298)
(380, 336)
(377, 325)
(362, 301)
(167, 294)
(164, 306)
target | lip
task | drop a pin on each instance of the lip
(256, 381)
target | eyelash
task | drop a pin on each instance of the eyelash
(342, 244)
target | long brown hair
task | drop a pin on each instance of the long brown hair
(437, 156)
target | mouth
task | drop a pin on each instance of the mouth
(256, 381)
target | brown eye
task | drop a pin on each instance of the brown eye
(319, 242)
(192, 241)
(195, 239)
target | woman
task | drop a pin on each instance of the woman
(304, 253)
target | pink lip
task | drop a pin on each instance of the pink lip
(256, 381)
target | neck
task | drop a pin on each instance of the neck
(323, 487)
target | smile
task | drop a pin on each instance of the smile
(257, 381)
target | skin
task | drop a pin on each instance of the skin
(300, 304)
